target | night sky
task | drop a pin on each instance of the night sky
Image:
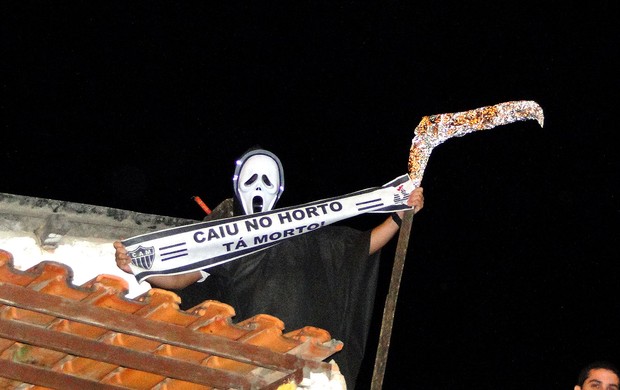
(511, 280)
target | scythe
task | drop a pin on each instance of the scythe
(430, 132)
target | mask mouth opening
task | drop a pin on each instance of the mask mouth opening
(257, 204)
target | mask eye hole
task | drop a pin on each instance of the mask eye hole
(267, 182)
(251, 180)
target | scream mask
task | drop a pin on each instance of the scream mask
(258, 181)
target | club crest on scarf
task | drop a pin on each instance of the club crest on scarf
(142, 257)
(401, 195)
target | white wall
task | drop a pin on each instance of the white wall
(87, 258)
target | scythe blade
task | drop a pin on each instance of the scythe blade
(436, 129)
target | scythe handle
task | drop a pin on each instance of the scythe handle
(390, 301)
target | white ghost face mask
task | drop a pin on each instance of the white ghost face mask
(258, 181)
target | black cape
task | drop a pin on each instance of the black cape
(324, 278)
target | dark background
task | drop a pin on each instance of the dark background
(511, 279)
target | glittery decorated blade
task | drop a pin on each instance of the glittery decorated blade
(435, 129)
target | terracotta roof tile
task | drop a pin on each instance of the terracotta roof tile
(57, 335)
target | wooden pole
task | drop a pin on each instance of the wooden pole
(390, 301)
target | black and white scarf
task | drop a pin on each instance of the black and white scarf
(206, 244)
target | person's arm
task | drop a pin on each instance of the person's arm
(175, 282)
(170, 282)
(383, 233)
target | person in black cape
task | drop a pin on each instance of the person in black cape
(326, 278)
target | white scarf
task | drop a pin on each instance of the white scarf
(202, 245)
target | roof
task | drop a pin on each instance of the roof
(55, 334)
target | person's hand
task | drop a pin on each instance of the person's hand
(416, 199)
(122, 258)
(383, 233)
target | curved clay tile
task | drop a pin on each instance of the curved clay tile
(58, 335)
